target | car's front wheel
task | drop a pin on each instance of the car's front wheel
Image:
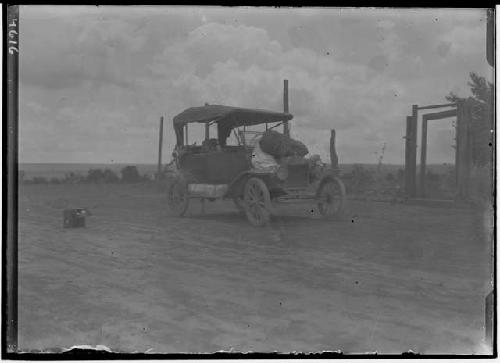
(331, 198)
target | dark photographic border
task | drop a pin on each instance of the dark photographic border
(10, 232)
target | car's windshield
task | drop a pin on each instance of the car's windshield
(241, 136)
(249, 138)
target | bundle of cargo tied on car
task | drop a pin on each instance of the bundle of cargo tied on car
(279, 145)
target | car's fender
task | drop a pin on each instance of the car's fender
(235, 188)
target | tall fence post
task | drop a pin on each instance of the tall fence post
(160, 147)
(414, 115)
(411, 157)
(408, 176)
(423, 157)
(334, 159)
(464, 150)
(286, 126)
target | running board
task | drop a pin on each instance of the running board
(296, 198)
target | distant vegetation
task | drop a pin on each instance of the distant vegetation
(371, 181)
(381, 181)
(129, 175)
(482, 118)
(386, 182)
(374, 182)
(481, 186)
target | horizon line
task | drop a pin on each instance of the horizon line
(146, 163)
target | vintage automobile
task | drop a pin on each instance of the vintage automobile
(215, 169)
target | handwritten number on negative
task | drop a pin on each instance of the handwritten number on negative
(13, 35)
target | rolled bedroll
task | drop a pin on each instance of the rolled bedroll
(279, 145)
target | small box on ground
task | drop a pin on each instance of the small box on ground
(74, 218)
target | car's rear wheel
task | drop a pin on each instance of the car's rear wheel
(257, 202)
(177, 196)
(331, 198)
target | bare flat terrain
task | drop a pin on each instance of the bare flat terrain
(387, 278)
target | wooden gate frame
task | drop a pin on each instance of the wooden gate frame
(463, 150)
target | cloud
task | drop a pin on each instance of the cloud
(96, 80)
(443, 49)
(214, 65)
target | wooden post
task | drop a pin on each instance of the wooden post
(423, 157)
(460, 147)
(334, 159)
(207, 131)
(286, 127)
(414, 115)
(160, 146)
(411, 147)
(186, 133)
(414, 125)
(10, 298)
(469, 150)
(457, 158)
(464, 150)
(411, 157)
(409, 176)
(429, 107)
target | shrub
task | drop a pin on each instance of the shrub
(72, 178)
(481, 185)
(95, 176)
(359, 179)
(99, 176)
(109, 176)
(449, 182)
(432, 177)
(434, 185)
(147, 178)
(130, 174)
(401, 176)
(40, 180)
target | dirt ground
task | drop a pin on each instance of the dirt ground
(387, 278)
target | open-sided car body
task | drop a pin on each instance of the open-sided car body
(215, 170)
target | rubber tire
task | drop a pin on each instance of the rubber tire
(257, 202)
(177, 197)
(334, 190)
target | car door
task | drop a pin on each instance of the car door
(215, 167)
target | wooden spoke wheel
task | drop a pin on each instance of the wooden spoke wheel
(177, 197)
(331, 198)
(257, 202)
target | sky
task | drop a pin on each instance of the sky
(94, 81)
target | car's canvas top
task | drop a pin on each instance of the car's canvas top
(227, 118)
(237, 116)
